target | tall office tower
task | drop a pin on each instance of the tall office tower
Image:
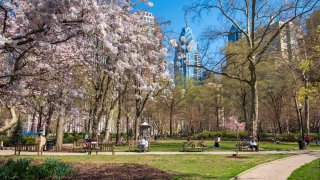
(234, 34)
(284, 46)
(186, 57)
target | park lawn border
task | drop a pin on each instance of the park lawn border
(296, 174)
(258, 166)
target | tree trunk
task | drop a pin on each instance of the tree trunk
(60, 128)
(48, 124)
(306, 113)
(299, 116)
(244, 110)
(127, 128)
(95, 129)
(279, 122)
(218, 118)
(306, 103)
(136, 127)
(254, 109)
(119, 119)
(14, 120)
(108, 121)
(40, 120)
(171, 121)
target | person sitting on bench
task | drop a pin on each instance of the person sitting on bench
(143, 144)
(253, 144)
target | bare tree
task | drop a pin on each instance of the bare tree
(254, 20)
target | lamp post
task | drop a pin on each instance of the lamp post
(301, 122)
(301, 142)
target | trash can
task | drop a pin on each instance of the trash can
(301, 144)
(50, 144)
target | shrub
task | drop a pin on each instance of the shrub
(6, 140)
(54, 168)
(227, 135)
(17, 169)
(291, 137)
(22, 169)
(70, 138)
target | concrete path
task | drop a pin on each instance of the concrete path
(52, 153)
(279, 169)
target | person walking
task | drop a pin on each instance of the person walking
(316, 141)
(307, 139)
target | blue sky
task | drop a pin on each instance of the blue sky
(172, 10)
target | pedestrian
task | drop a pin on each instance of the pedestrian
(307, 139)
(41, 141)
(316, 141)
(217, 141)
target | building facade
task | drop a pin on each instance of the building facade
(284, 46)
(234, 34)
(187, 60)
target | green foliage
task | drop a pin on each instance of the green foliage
(305, 65)
(224, 134)
(6, 140)
(23, 169)
(29, 139)
(70, 138)
(54, 168)
(18, 169)
(16, 134)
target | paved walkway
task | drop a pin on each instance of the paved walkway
(279, 169)
(52, 153)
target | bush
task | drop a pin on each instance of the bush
(70, 138)
(227, 135)
(6, 141)
(54, 168)
(15, 169)
(22, 169)
(30, 139)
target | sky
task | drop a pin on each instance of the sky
(172, 10)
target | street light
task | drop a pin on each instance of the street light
(301, 142)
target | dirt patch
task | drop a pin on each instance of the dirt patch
(118, 171)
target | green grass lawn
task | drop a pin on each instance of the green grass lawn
(176, 145)
(310, 171)
(182, 166)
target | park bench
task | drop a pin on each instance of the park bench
(101, 147)
(190, 145)
(244, 146)
(29, 147)
(134, 146)
(80, 146)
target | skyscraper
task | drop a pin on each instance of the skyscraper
(186, 58)
(284, 46)
(234, 34)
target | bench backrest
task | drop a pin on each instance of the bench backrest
(101, 146)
